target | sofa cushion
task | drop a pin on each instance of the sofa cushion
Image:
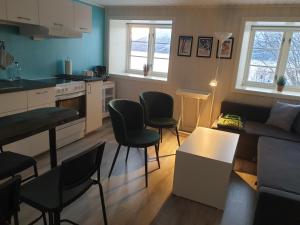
(296, 124)
(262, 129)
(283, 115)
(278, 164)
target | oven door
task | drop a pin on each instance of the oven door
(74, 101)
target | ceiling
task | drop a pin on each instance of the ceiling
(187, 2)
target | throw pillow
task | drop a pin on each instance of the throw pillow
(230, 121)
(283, 115)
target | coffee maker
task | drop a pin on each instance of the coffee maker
(101, 71)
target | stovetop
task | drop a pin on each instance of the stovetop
(58, 81)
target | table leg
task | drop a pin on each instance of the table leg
(199, 103)
(180, 121)
(52, 142)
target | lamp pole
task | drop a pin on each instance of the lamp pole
(222, 37)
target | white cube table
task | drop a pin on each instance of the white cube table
(203, 166)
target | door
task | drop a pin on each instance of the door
(23, 11)
(56, 13)
(83, 17)
(93, 106)
(2, 10)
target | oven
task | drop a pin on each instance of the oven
(74, 101)
(71, 96)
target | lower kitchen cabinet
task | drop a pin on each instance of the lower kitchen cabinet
(28, 100)
(93, 106)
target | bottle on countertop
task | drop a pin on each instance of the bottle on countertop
(68, 66)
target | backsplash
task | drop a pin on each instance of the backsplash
(45, 58)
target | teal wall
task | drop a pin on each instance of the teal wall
(44, 58)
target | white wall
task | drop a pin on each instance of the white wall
(193, 72)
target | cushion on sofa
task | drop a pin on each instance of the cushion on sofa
(283, 115)
(262, 129)
(278, 164)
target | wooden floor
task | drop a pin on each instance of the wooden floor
(128, 202)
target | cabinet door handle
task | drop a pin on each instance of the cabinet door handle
(58, 24)
(24, 18)
(41, 92)
(83, 28)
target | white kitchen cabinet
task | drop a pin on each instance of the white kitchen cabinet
(83, 17)
(11, 102)
(23, 11)
(108, 94)
(29, 100)
(56, 13)
(41, 97)
(93, 106)
(2, 10)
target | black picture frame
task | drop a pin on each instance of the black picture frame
(185, 45)
(228, 52)
(204, 46)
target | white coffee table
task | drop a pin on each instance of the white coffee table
(203, 166)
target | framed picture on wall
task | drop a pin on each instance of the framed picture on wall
(226, 50)
(204, 47)
(185, 44)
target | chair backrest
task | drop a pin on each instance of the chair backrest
(157, 104)
(125, 116)
(9, 198)
(80, 168)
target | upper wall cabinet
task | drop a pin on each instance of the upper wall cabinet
(56, 13)
(83, 17)
(2, 10)
(23, 11)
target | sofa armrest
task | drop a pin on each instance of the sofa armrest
(276, 207)
(249, 112)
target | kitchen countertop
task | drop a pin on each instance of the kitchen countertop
(22, 85)
(80, 78)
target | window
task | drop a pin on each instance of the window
(269, 51)
(149, 44)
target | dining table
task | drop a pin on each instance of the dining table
(22, 125)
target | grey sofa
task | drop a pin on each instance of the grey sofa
(278, 163)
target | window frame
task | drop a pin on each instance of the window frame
(282, 58)
(151, 48)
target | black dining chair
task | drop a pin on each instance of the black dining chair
(9, 200)
(158, 107)
(127, 119)
(53, 191)
(12, 163)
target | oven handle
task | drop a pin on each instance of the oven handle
(69, 96)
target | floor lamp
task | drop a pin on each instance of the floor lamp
(221, 37)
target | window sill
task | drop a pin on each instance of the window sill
(268, 92)
(139, 77)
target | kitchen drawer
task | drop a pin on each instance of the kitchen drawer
(10, 102)
(41, 97)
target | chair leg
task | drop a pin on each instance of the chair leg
(161, 135)
(50, 215)
(36, 174)
(128, 149)
(157, 156)
(102, 203)
(146, 167)
(44, 218)
(177, 134)
(57, 218)
(16, 219)
(114, 161)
